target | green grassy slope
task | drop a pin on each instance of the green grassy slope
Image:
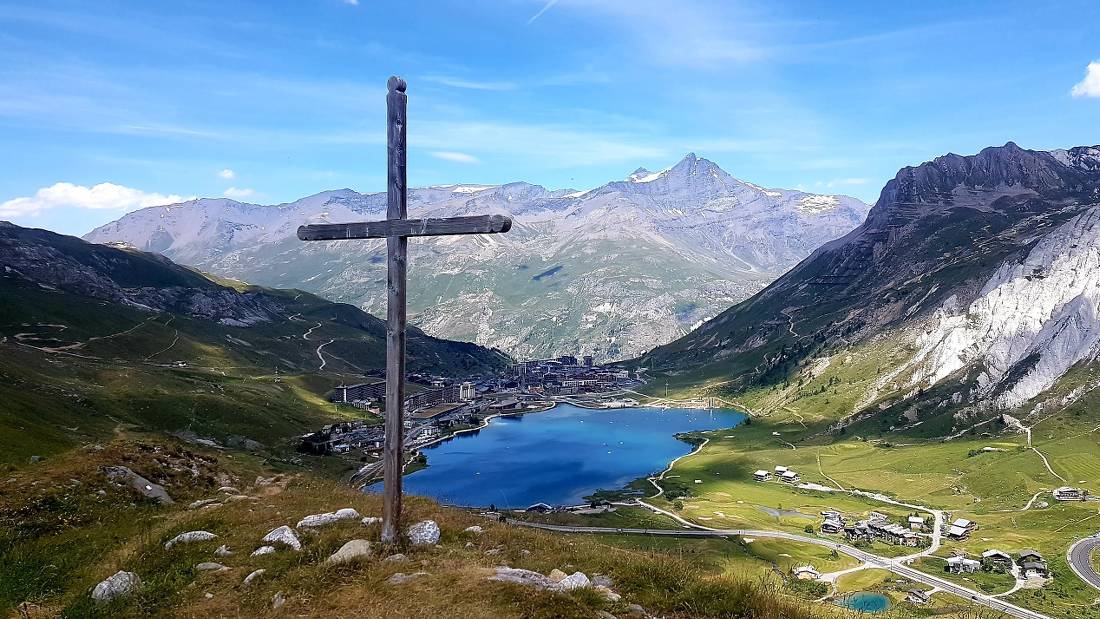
(83, 353)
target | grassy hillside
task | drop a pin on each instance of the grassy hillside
(65, 528)
(94, 339)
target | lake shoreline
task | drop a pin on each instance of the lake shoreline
(613, 458)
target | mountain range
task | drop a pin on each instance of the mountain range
(971, 289)
(610, 272)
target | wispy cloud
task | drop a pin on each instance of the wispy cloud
(351, 2)
(104, 196)
(458, 82)
(546, 7)
(1090, 86)
(227, 174)
(238, 194)
(457, 157)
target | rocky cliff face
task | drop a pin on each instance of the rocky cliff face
(983, 265)
(118, 275)
(612, 271)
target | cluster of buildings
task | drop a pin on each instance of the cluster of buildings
(961, 529)
(566, 375)
(878, 527)
(782, 473)
(1031, 564)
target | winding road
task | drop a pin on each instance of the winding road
(1078, 558)
(893, 565)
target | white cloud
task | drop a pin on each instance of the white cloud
(1090, 86)
(458, 82)
(227, 174)
(450, 155)
(351, 2)
(104, 196)
(236, 194)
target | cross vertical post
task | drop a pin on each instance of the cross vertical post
(396, 229)
(397, 255)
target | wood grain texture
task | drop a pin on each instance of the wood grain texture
(474, 224)
(396, 283)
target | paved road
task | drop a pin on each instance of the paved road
(882, 562)
(1078, 558)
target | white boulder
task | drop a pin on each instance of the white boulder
(352, 551)
(320, 520)
(576, 580)
(369, 520)
(188, 537)
(253, 576)
(263, 550)
(119, 585)
(210, 566)
(476, 530)
(423, 533)
(283, 535)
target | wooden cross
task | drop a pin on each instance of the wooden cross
(396, 229)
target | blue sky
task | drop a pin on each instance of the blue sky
(109, 106)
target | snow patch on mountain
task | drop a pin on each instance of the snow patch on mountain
(1030, 323)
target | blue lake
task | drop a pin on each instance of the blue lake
(865, 602)
(559, 456)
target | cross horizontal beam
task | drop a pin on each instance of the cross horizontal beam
(476, 224)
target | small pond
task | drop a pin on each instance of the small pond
(864, 602)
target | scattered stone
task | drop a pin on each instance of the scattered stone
(228, 490)
(576, 580)
(476, 530)
(599, 580)
(119, 585)
(556, 575)
(493, 551)
(210, 566)
(369, 520)
(101, 493)
(188, 537)
(263, 550)
(395, 558)
(223, 551)
(607, 593)
(146, 488)
(209, 595)
(278, 601)
(236, 498)
(35, 459)
(636, 610)
(522, 577)
(469, 544)
(525, 552)
(352, 551)
(603, 614)
(320, 520)
(283, 535)
(401, 578)
(253, 576)
(423, 533)
(201, 503)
